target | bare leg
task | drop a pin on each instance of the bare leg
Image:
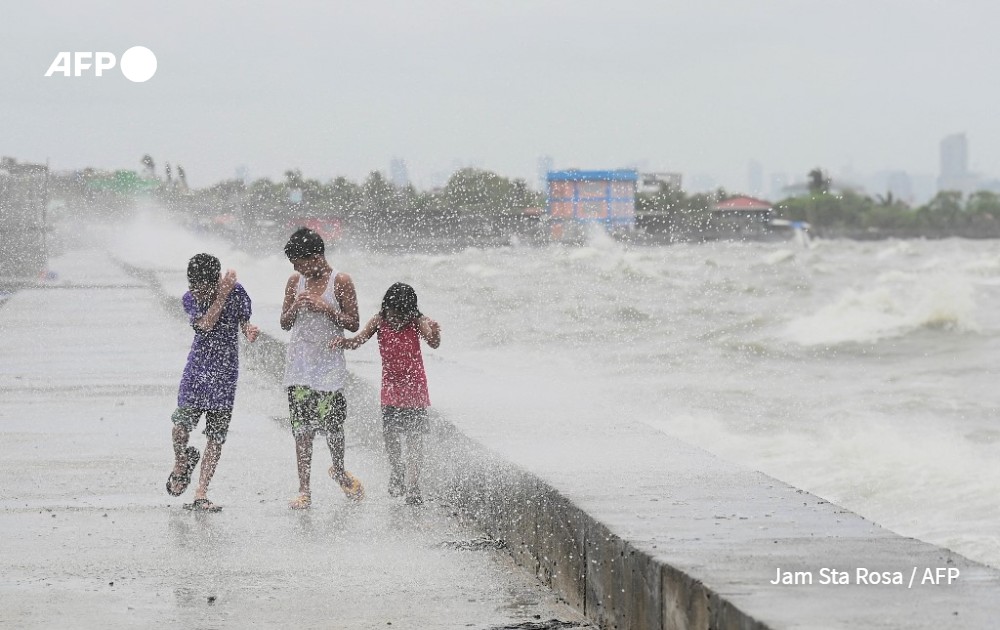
(350, 484)
(213, 451)
(414, 460)
(394, 451)
(180, 436)
(303, 455)
(335, 440)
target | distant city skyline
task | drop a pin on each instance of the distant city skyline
(952, 152)
(758, 181)
(913, 188)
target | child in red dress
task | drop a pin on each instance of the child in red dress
(399, 326)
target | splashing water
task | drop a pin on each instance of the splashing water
(862, 372)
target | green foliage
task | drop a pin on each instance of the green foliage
(671, 209)
(823, 209)
(473, 189)
(944, 215)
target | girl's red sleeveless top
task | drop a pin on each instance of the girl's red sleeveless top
(404, 382)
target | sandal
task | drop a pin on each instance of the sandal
(301, 502)
(202, 505)
(413, 497)
(183, 480)
(350, 484)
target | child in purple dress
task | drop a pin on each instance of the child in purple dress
(217, 309)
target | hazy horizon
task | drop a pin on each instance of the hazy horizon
(342, 89)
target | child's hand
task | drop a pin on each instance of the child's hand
(251, 332)
(434, 327)
(310, 303)
(338, 342)
(227, 282)
(430, 330)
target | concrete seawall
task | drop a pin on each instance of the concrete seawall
(639, 530)
(700, 548)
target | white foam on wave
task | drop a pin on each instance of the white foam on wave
(983, 266)
(897, 248)
(779, 256)
(901, 304)
(608, 256)
(598, 238)
(482, 271)
(582, 252)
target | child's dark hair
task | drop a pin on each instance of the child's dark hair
(304, 243)
(403, 299)
(203, 269)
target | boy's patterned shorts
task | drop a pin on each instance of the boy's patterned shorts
(313, 410)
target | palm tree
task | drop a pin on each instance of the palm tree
(148, 164)
(887, 200)
(819, 183)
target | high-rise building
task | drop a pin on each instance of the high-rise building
(398, 174)
(954, 164)
(900, 185)
(779, 182)
(755, 178)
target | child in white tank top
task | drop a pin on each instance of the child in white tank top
(318, 306)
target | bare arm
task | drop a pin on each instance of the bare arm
(366, 333)
(430, 330)
(289, 308)
(208, 321)
(347, 297)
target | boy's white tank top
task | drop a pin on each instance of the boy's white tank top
(309, 360)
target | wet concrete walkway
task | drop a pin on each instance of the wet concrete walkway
(90, 539)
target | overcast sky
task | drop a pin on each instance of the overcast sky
(340, 88)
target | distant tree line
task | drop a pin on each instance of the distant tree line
(849, 214)
(472, 200)
(375, 202)
(475, 201)
(832, 212)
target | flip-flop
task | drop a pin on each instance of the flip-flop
(301, 502)
(350, 484)
(202, 505)
(183, 480)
